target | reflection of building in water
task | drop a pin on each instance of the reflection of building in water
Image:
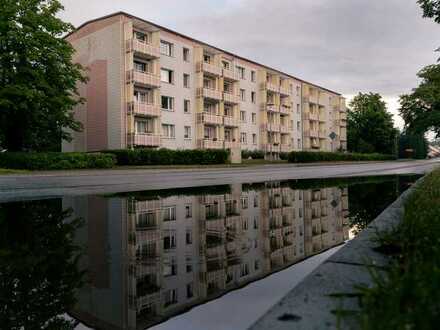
(149, 259)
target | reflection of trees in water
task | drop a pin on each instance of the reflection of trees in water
(38, 265)
(367, 201)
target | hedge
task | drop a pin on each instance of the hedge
(319, 156)
(254, 154)
(55, 160)
(169, 157)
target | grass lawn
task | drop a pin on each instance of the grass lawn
(408, 295)
(9, 171)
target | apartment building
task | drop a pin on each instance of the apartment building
(152, 87)
(150, 257)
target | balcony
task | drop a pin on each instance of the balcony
(285, 148)
(285, 109)
(343, 115)
(209, 68)
(209, 93)
(285, 91)
(272, 147)
(343, 123)
(146, 140)
(284, 129)
(271, 108)
(144, 206)
(207, 118)
(147, 79)
(144, 109)
(270, 127)
(311, 133)
(143, 49)
(270, 87)
(322, 134)
(231, 121)
(311, 116)
(231, 98)
(232, 144)
(231, 75)
(210, 144)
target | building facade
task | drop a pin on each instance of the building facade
(152, 87)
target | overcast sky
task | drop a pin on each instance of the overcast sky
(345, 45)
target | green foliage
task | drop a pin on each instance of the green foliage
(416, 142)
(407, 296)
(421, 109)
(39, 265)
(431, 9)
(38, 82)
(254, 154)
(55, 160)
(309, 157)
(169, 157)
(370, 126)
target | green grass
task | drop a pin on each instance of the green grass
(407, 295)
(10, 171)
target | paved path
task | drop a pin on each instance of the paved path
(50, 184)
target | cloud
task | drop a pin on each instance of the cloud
(345, 45)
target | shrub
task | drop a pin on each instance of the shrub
(254, 154)
(55, 160)
(320, 156)
(169, 157)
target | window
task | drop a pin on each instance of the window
(169, 267)
(207, 58)
(227, 87)
(299, 143)
(186, 106)
(254, 118)
(169, 241)
(298, 125)
(255, 201)
(169, 213)
(140, 66)
(244, 202)
(187, 134)
(243, 116)
(254, 138)
(209, 83)
(188, 211)
(168, 131)
(185, 54)
(253, 76)
(144, 126)
(140, 36)
(226, 65)
(242, 95)
(243, 138)
(297, 109)
(144, 96)
(188, 236)
(256, 265)
(167, 103)
(186, 80)
(166, 48)
(189, 290)
(189, 267)
(166, 76)
(170, 297)
(228, 110)
(241, 72)
(297, 90)
(244, 270)
(253, 97)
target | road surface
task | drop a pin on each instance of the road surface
(53, 184)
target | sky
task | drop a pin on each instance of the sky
(349, 46)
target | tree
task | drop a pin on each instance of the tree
(431, 9)
(421, 109)
(415, 142)
(37, 78)
(370, 125)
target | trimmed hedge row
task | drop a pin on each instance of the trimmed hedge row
(169, 157)
(320, 156)
(254, 154)
(55, 160)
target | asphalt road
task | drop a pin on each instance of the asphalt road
(52, 184)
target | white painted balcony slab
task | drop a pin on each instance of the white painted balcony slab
(145, 109)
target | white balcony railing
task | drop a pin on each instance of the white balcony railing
(209, 93)
(143, 78)
(231, 98)
(210, 68)
(146, 109)
(285, 91)
(145, 139)
(143, 48)
(231, 121)
(208, 118)
(231, 75)
(210, 144)
(232, 144)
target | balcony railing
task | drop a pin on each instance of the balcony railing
(231, 75)
(311, 133)
(271, 127)
(285, 148)
(232, 144)
(274, 147)
(210, 68)
(285, 109)
(144, 78)
(285, 91)
(310, 116)
(209, 93)
(146, 109)
(207, 118)
(210, 144)
(231, 121)
(284, 129)
(271, 108)
(343, 115)
(144, 140)
(231, 98)
(143, 48)
(270, 87)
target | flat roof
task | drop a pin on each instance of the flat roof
(200, 42)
